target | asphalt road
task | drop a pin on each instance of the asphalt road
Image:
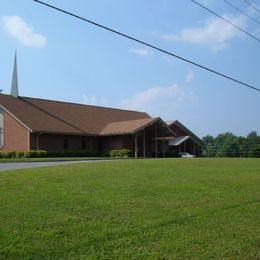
(27, 165)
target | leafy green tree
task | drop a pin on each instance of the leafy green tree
(227, 145)
(230, 145)
(253, 144)
(209, 149)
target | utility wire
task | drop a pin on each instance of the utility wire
(238, 9)
(252, 5)
(149, 45)
(226, 20)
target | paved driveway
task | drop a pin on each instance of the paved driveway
(26, 165)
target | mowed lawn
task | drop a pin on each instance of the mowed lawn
(133, 209)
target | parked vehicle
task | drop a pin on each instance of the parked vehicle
(186, 155)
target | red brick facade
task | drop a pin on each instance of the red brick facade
(16, 136)
(61, 142)
(116, 142)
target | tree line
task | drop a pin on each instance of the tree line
(230, 145)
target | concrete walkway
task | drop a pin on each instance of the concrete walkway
(27, 165)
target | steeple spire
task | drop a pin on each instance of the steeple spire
(14, 87)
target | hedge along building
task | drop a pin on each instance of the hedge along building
(37, 124)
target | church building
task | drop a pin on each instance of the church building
(37, 124)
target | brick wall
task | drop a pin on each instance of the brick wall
(16, 136)
(56, 142)
(111, 142)
(108, 143)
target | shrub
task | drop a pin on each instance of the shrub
(40, 153)
(114, 153)
(29, 154)
(57, 153)
(7, 155)
(104, 154)
(19, 154)
(73, 153)
(123, 153)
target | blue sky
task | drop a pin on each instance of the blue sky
(61, 58)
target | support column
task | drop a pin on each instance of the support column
(37, 141)
(136, 145)
(185, 146)
(144, 144)
(194, 148)
(156, 143)
(163, 149)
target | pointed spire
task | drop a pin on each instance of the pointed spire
(14, 87)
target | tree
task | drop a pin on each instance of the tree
(227, 145)
(230, 145)
(209, 150)
(253, 144)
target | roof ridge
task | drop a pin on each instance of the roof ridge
(149, 118)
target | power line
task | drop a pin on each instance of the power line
(238, 9)
(149, 45)
(226, 20)
(252, 5)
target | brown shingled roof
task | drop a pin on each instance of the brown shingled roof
(185, 129)
(127, 127)
(41, 115)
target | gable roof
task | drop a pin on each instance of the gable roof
(40, 115)
(185, 130)
(179, 140)
(127, 127)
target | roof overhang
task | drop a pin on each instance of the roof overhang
(194, 137)
(139, 128)
(178, 140)
(157, 119)
(63, 133)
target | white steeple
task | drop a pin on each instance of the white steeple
(14, 87)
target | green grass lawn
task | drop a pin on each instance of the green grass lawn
(134, 209)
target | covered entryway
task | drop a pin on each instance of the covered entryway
(144, 137)
(184, 144)
(152, 140)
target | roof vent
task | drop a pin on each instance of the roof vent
(14, 87)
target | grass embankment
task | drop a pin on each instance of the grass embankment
(162, 209)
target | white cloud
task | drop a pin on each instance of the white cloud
(158, 101)
(93, 100)
(22, 32)
(190, 76)
(140, 51)
(214, 33)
